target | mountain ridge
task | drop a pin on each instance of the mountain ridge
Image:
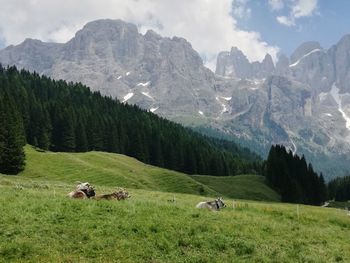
(302, 102)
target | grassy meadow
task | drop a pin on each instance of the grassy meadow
(251, 187)
(38, 223)
(100, 168)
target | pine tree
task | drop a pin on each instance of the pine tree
(81, 138)
(12, 159)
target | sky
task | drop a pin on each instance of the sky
(256, 27)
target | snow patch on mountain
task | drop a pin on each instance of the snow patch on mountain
(143, 84)
(224, 108)
(200, 112)
(337, 97)
(127, 73)
(300, 59)
(323, 95)
(128, 96)
(294, 150)
(119, 77)
(153, 109)
(256, 81)
(147, 95)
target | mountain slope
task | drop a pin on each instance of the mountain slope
(66, 117)
(107, 169)
(116, 170)
(303, 103)
(240, 186)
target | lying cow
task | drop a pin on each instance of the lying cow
(82, 191)
(214, 205)
(121, 194)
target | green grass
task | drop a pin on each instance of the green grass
(101, 168)
(251, 187)
(38, 223)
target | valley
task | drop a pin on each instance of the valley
(291, 101)
(175, 131)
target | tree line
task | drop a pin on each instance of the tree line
(68, 117)
(293, 178)
(339, 188)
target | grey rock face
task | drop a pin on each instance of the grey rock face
(340, 53)
(304, 49)
(234, 64)
(303, 103)
(159, 74)
(282, 65)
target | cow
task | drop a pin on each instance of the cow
(120, 194)
(214, 205)
(82, 191)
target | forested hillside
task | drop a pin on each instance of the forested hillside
(293, 178)
(339, 188)
(60, 116)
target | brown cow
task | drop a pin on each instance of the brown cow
(121, 194)
(82, 191)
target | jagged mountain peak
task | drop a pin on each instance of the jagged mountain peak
(268, 63)
(106, 24)
(345, 40)
(235, 64)
(106, 30)
(304, 49)
(152, 35)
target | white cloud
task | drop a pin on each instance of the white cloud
(276, 4)
(298, 9)
(304, 8)
(287, 21)
(210, 25)
(240, 9)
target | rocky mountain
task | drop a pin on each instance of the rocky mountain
(235, 64)
(302, 102)
(163, 75)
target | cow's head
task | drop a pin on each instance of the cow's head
(220, 203)
(87, 188)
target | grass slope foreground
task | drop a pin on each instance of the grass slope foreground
(38, 223)
(109, 169)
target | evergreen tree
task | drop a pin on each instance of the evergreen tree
(81, 138)
(61, 116)
(12, 159)
(290, 175)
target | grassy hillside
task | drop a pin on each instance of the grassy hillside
(109, 169)
(38, 223)
(252, 187)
